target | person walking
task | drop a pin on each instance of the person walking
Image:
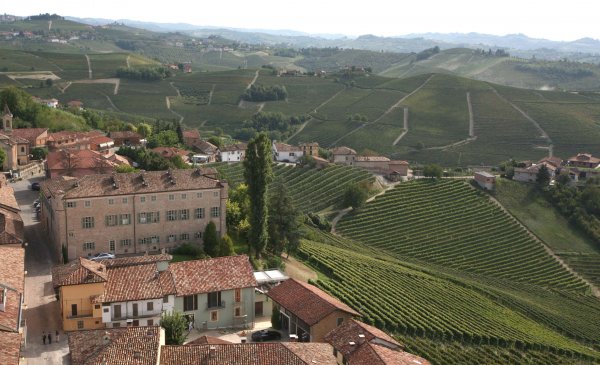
(44, 337)
(49, 338)
(57, 336)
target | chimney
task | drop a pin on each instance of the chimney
(106, 338)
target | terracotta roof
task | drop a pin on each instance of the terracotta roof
(350, 330)
(129, 183)
(284, 147)
(29, 134)
(372, 158)
(205, 276)
(343, 151)
(77, 159)
(191, 133)
(375, 354)
(398, 162)
(98, 140)
(309, 144)
(124, 134)
(169, 152)
(205, 147)
(135, 260)
(62, 135)
(12, 277)
(585, 157)
(234, 147)
(11, 140)
(555, 161)
(115, 346)
(306, 301)
(75, 103)
(136, 282)
(207, 340)
(79, 271)
(249, 354)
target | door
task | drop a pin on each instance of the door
(258, 309)
(135, 309)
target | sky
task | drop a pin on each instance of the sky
(539, 19)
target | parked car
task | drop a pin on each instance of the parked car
(102, 256)
(266, 335)
(35, 186)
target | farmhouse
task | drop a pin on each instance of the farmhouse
(585, 160)
(485, 180)
(233, 153)
(266, 280)
(131, 212)
(344, 155)
(308, 312)
(102, 144)
(208, 151)
(356, 342)
(191, 137)
(71, 140)
(310, 149)
(114, 293)
(529, 174)
(170, 152)
(283, 152)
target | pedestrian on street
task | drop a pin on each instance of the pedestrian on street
(44, 337)
(57, 336)
(49, 338)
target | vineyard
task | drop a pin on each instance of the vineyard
(424, 308)
(448, 223)
(311, 190)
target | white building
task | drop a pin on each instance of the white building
(283, 152)
(233, 153)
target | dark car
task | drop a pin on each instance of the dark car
(35, 186)
(266, 335)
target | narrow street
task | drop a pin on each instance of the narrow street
(42, 311)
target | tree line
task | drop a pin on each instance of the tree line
(145, 73)
(259, 93)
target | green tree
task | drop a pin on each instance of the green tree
(179, 131)
(124, 168)
(591, 199)
(542, 178)
(163, 138)
(210, 240)
(226, 246)
(355, 196)
(216, 141)
(276, 318)
(175, 325)
(144, 129)
(284, 226)
(433, 171)
(258, 174)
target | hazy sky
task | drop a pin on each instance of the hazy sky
(541, 19)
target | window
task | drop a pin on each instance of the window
(22, 149)
(136, 322)
(154, 239)
(73, 310)
(172, 238)
(184, 214)
(340, 320)
(171, 215)
(71, 234)
(216, 194)
(166, 299)
(89, 246)
(87, 203)
(214, 299)
(116, 325)
(153, 198)
(171, 196)
(97, 306)
(150, 322)
(214, 316)
(111, 245)
(87, 222)
(105, 310)
(237, 312)
(142, 199)
(142, 218)
(150, 306)
(238, 295)
(126, 242)
(71, 204)
(198, 195)
(110, 220)
(124, 200)
(117, 311)
(334, 352)
(199, 213)
(111, 201)
(183, 196)
(184, 237)
(198, 235)
(190, 303)
(125, 219)
(292, 154)
(79, 325)
(214, 212)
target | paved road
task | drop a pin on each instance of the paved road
(42, 312)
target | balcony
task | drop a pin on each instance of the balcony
(215, 305)
(80, 314)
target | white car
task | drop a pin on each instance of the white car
(102, 256)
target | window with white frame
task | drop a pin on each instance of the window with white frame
(71, 204)
(111, 201)
(171, 238)
(184, 214)
(199, 213)
(124, 200)
(125, 219)
(126, 242)
(171, 215)
(171, 196)
(142, 199)
(198, 195)
(216, 194)
(111, 220)
(184, 236)
(214, 212)
(87, 203)
(87, 222)
(89, 246)
(198, 235)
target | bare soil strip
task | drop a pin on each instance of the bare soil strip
(89, 65)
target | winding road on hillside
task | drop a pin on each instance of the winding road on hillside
(405, 127)
(388, 111)
(543, 133)
(168, 102)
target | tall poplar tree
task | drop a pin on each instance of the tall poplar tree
(258, 174)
